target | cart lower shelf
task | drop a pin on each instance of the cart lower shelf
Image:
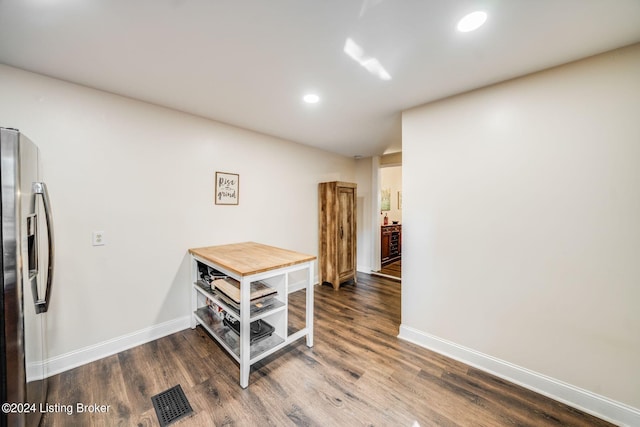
(230, 340)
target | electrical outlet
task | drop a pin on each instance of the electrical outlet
(97, 238)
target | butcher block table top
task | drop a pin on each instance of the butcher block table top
(250, 258)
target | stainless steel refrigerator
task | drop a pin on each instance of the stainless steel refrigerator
(27, 271)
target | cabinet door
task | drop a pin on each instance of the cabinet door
(384, 245)
(346, 230)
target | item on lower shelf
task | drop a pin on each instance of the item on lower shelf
(231, 288)
(215, 308)
(207, 273)
(215, 273)
(256, 305)
(259, 328)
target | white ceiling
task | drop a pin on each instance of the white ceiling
(249, 62)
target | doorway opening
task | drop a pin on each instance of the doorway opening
(390, 221)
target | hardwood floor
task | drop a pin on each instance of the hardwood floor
(357, 373)
(393, 269)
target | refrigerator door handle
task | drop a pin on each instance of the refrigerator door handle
(39, 188)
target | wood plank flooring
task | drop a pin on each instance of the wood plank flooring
(393, 269)
(358, 373)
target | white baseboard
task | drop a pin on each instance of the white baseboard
(584, 400)
(73, 359)
(364, 269)
(299, 285)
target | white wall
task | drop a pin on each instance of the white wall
(522, 219)
(144, 175)
(391, 179)
(366, 202)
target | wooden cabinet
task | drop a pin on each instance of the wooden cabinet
(337, 232)
(384, 245)
(390, 243)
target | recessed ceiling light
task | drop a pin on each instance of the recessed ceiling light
(472, 21)
(311, 98)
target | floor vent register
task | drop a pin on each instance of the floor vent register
(171, 406)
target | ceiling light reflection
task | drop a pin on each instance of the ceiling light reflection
(372, 65)
(472, 21)
(311, 98)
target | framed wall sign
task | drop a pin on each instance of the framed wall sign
(227, 188)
